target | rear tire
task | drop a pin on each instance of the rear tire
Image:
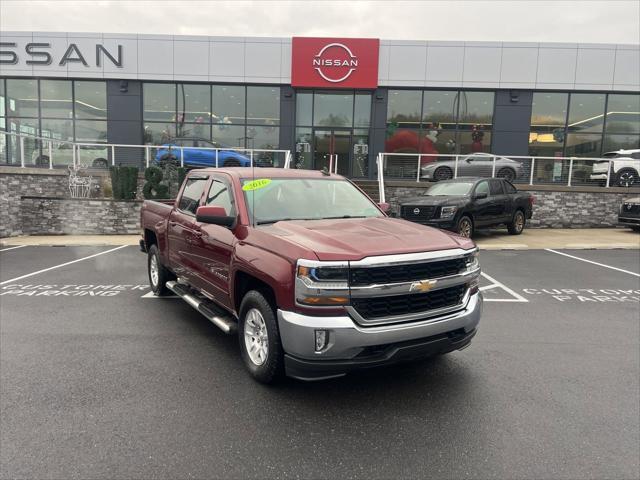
(626, 177)
(464, 228)
(42, 161)
(507, 173)
(516, 226)
(158, 274)
(442, 173)
(259, 338)
(100, 163)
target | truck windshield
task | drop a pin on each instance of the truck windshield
(273, 200)
(453, 188)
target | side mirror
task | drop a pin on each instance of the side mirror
(469, 160)
(479, 196)
(214, 216)
(385, 207)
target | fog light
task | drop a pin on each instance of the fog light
(322, 339)
(474, 286)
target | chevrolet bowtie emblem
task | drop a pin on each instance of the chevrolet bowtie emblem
(422, 286)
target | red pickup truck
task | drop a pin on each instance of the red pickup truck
(313, 276)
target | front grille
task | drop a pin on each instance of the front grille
(417, 213)
(379, 307)
(361, 276)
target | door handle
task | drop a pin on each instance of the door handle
(173, 224)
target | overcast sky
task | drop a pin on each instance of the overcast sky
(539, 21)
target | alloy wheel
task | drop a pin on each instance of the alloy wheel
(154, 270)
(256, 338)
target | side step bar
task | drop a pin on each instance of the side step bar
(213, 313)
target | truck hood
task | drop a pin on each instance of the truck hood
(354, 239)
(435, 200)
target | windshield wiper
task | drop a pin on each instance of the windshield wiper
(269, 222)
(343, 216)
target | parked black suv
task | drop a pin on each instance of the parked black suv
(463, 204)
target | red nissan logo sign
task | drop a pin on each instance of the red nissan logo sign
(334, 62)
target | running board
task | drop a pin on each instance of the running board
(212, 312)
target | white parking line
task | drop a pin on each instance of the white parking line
(12, 248)
(62, 265)
(592, 262)
(517, 298)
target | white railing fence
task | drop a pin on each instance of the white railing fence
(33, 151)
(539, 170)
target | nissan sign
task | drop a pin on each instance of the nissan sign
(335, 62)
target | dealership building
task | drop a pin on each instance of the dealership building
(318, 97)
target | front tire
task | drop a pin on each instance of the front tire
(627, 177)
(465, 227)
(158, 274)
(507, 173)
(442, 173)
(516, 226)
(259, 338)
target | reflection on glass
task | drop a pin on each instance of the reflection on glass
(586, 112)
(159, 101)
(583, 145)
(333, 109)
(474, 142)
(545, 144)
(90, 100)
(25, 126)
(194, 130)
(2, 107)
(620, 142)
(304, 108)
(549, 110)
(362, 114)
(229, 135)
(228, 104)
(623, 113)
(55, 99)
(22, 97)
(263, 105)
(194, 103)
(158, 133)
(439, 107)
(360, 161)
(89, 131)
(403, 107)
(57, 129)
(263, 137)
(303, 153)
(475, 108)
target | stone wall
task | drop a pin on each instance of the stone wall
(555, 207)
(78, 216)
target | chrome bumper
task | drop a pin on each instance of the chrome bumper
(347, 339)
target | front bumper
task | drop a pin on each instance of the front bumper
(352, 347)
(629, 221)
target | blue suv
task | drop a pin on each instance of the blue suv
(196, 158)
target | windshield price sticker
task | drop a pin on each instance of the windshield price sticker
(587, 294)
(256, 184)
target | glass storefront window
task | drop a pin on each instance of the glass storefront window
(586, 113)
(26, 126)
(583, 145)
(90, 100)
(194, 103)
(403, 107)
(195, 130)
(304, 108)
(22, 98)
(623, 113)
(549, 110)
(439, 108)
(91, 131)
(55, 99)
(229, 135)
(57, 129)
(360, 162)
(2, 108)
(228, 104)
(263, 105)
(333, 109)
(620, 142)
(303, 151)
(474, 142)
(159, 101)
(362, 110)
(263, 137)
(475, 108)
(158, 133)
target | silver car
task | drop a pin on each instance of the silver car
(474, 165)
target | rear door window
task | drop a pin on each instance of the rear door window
(495, 187)
(191, 195)
(508, 188)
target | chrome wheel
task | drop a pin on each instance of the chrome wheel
(465, 228)
(626, 179)
(519, 222)
(154, 270)
(256, 339)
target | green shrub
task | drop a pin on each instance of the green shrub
(153, 189)
(124, 182)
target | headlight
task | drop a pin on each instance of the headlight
(322, 283)
(472, 262)
(448, 212)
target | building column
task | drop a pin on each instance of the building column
(124, 120)
(511, 122)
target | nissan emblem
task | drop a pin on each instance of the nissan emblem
(416, 211)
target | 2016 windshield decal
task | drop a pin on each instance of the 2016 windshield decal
(319, 61)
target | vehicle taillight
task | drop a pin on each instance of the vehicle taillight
(532, 200)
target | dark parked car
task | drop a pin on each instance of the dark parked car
(463, 204)
(195, 155)
(629, 214)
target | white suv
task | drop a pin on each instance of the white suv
(625, 168)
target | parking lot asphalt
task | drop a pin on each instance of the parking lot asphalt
(100, 380)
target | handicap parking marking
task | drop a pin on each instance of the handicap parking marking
(495, 285)
(12, 248)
